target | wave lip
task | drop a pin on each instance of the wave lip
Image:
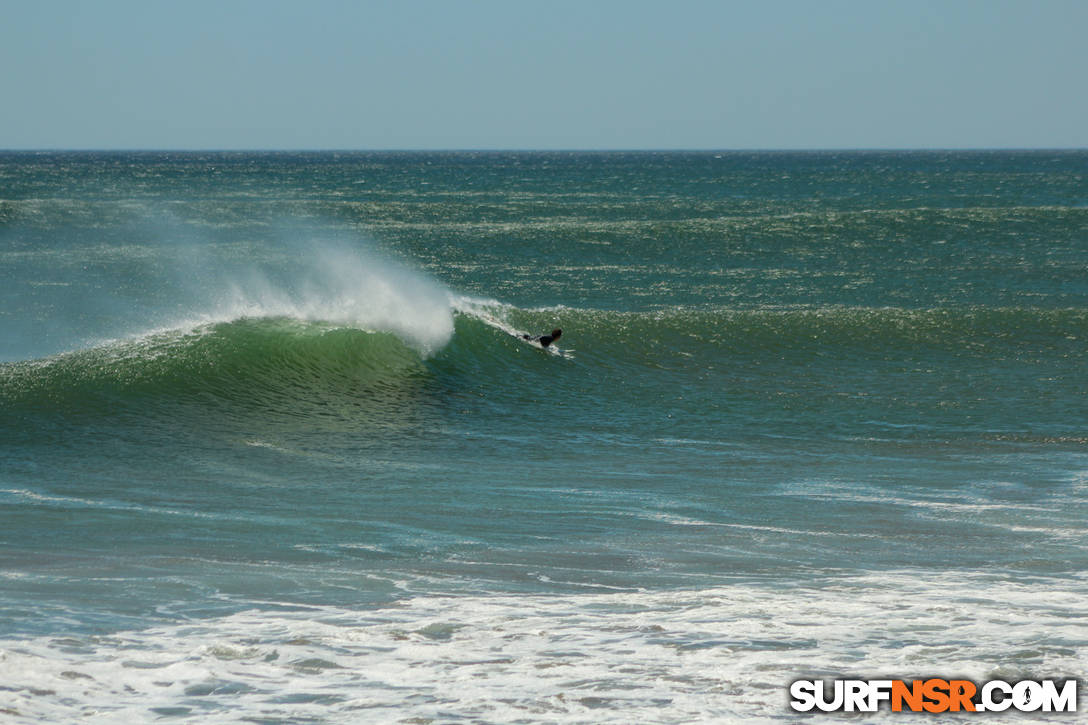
(269, 363)
(350, 288)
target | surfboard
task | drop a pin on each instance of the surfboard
(520, 335)
(527, 338)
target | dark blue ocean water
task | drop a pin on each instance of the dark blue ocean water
(271, 447)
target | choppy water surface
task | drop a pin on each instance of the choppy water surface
(271, 447)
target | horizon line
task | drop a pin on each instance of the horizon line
(784, 149)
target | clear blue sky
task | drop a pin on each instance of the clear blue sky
(547, 74)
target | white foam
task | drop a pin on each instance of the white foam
(490, 312)
(494, 314)
(726, 654)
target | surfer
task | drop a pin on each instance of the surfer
(545, 340)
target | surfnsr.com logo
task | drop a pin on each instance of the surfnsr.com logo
(934, 695)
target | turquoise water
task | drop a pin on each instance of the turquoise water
(271, 448)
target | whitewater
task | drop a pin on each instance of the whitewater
(272, 448)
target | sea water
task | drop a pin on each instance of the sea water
(272, 450)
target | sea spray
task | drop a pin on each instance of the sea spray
(340, 283)
(348, 286)
(813, 392)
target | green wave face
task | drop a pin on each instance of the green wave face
(249, 399)
(250, 368)
(784, 367)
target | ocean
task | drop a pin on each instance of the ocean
(273, 450)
